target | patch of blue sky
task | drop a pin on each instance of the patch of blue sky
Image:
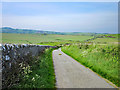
(100, 17)
(54, 8)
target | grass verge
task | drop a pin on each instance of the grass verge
(103, 59)
(40, 74)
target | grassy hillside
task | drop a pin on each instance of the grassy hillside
(30, 31)
(106, 39)
(25, 31)
(42, 39)
(99, 54)
(102, 59)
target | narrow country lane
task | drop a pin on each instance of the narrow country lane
(71, 74)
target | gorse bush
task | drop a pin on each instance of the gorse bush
(102, 59)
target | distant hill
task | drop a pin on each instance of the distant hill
(29, 31)
(24, 31)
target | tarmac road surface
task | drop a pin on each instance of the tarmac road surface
(71, 74)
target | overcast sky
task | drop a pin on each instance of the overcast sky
(100, 17)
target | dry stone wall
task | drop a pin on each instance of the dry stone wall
(13, 58)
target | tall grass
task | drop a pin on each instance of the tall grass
(40, 74)
(102, 59)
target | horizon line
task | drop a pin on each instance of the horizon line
(59, 31)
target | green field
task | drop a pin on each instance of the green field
(104, 40)
(53, 39)
(42, 39)
(107, 39)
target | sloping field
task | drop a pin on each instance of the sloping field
(109, 38)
